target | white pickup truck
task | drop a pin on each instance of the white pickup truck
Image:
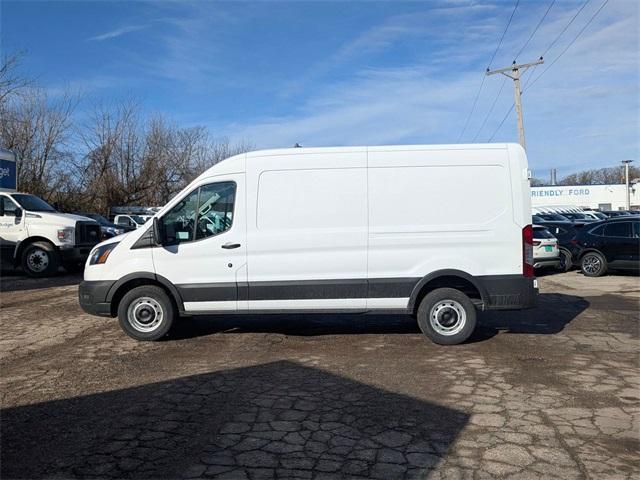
(36, 237)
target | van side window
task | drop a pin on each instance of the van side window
(636, 229)
(617, 229)
(215, 209)
(205, 212)
(598, 231)
(124, 221)
(179, 222)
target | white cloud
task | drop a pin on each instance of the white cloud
(118, 32)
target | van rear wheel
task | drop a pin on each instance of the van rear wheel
(146, 313)
(447, 316)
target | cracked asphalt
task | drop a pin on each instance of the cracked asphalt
(547, 393)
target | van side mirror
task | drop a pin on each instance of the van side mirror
(18, 212)
(158, 229)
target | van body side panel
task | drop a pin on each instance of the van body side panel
(307, 223)
(437, 209)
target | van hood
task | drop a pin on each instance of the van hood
(56, 218)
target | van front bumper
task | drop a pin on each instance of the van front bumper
(509, 292)
(93, 297)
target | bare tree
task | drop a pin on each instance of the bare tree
(38, 130)
(11, 82)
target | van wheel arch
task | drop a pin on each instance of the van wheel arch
(128, 282)
(448, 278)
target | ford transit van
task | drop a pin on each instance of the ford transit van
(437, 232)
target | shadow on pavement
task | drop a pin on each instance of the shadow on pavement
(275, 420)
(554, 312)
(15, 280)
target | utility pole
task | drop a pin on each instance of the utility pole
(626, 182)
(515, 76)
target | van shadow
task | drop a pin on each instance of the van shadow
(553, 313)
(274, 420)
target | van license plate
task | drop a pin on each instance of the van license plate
(548, 248)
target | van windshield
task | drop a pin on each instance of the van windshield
(32, 203)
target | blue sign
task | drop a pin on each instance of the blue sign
(8, 174)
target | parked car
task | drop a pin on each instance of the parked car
(579, 217)
(612, 244)
(565, 232)
(595, 215)
(552, 217)
(130, 221)
(616, 213)
(330, 229)
(109, 229)
(38, 238)
(545, 249)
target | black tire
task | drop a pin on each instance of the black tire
(447, 305)
(146, 313)
(593, 264)
(40, 259)
(566, 261)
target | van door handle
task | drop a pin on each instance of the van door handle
(229, 246)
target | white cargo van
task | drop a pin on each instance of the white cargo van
(433, 231)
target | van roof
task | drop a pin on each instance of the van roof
(378, 148)
(236, 163)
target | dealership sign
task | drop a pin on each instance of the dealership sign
(560, 192)
(7, 174)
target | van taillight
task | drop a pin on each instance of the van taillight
(527, 251)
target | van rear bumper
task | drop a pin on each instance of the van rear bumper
(509, 292)
(93, 297)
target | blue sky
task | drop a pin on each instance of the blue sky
(349, 73)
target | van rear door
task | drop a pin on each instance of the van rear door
(204, 252)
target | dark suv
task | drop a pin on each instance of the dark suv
(610, 244)
(564, 232)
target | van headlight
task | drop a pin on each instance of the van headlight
(101, 254)
(67, 235)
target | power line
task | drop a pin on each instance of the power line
(571, 43)
(565, 28)
(504, 81)
(556, 59)
(473, 107)
(501, 123)
(535, 29)
(495, 100)
(503, 34)
(475, 101)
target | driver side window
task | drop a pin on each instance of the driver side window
(205, 212)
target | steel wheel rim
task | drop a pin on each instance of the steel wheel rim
(145, 314)
(448, 317)
(591, 264)
(38, 260)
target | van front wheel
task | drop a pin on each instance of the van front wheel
(146, 313)
(447, 316)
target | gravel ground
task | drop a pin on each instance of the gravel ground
(546, 393)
